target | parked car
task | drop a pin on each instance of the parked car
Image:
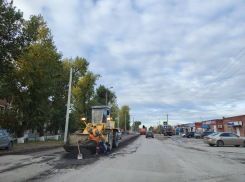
(198, 135)
(149, 134)
(183, 135)
(6, 139)
(221, 139)
(206, 133)
(190, 134)
(119, 134)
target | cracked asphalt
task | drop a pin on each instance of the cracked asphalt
(138, 159)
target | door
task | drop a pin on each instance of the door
(215, 129)
(226, 138)
(236, 140)
(238, 131)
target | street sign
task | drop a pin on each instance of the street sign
(165, 127)
(165, 123)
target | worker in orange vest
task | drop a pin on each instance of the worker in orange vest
(98, 137)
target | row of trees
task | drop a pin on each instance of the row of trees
(34, 78)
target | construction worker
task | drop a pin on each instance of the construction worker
(98, 137)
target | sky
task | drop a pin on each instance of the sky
(181, 58)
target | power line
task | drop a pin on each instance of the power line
(188, 102)
(199, 86)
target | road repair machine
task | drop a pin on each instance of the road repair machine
(100, 119)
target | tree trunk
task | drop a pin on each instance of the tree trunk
(56, 131)
(20, 131)
(41, 133)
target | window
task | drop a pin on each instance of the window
(225, 135)
(234, 135)
(229, 130)
(1, 132)
(214, 134)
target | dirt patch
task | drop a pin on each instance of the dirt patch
(31, 147)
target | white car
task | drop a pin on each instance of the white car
(183, 135)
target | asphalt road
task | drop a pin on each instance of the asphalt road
(151, 159)
(34, 166)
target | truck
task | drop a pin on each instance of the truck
(168, 131)
(143, 130)
(100, 119)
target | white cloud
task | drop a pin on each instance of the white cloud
(148, 50)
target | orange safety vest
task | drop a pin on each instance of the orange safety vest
(97, 139)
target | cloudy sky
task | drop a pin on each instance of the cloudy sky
(184, 58)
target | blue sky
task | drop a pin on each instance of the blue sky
(159, 56)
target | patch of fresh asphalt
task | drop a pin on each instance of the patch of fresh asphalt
(68, 162)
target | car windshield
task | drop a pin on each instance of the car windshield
(149, 132)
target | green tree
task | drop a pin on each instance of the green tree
(83, 94)
(151, 128)
(59, 99)
(100, 95)
(16, 34)
(34, 77)
(136, 125)
(124, 114)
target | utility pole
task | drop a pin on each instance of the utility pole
(125, 123)
(167, 117)
(118, 118)
(68, 105)
(133, 123)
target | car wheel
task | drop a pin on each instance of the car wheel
(220, 143)
(244, 144)
(237, 145)
(146, 137)
(10, 146)
(211, 145)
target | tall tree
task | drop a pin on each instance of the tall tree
(83, 94)
(35, 75)
(124, 116)
(136, 125)
(15, 35)
(59, 99)
(100, 95)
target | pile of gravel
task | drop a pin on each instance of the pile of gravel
(73, 154)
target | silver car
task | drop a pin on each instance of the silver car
(6, 139)
(119, 134)
(198, 135)
(221, 139)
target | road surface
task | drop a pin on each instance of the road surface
(151, 159)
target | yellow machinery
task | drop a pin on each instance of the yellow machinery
(100, 119)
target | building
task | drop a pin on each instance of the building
(215, 125)
(191, 127)
(198, 127)
(234, 125)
